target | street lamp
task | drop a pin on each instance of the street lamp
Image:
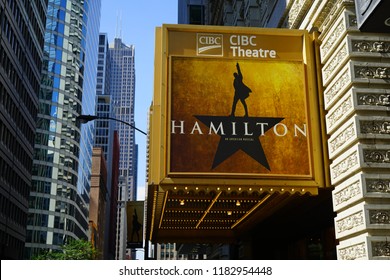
(87, 118)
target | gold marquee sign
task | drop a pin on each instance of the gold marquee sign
(235, 105)
(234, 109)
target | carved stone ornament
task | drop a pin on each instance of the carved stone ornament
(353, 252)
(298, 9)
(372, 72)
(371, 46)
(330, 13)
(375, 127)
(342, 138)
(350, 222)
(377, 156)
(379, 216)
(333, 38)
(380, 186)
(335, 62)
(347, 193)
(340, 112)
(345, 165)
(381, 249)
(374, 99)
(340, 83)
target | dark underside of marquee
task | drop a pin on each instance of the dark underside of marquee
(219, 215)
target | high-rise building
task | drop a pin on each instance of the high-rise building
(22, 27)
(122, 88)
(104, 127)
(104, 136)
(59, 198)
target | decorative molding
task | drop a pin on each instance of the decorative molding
(342, 138)
(379, 217)
(341, 81)
(333, 38)
(375, 127)
(350, 222)
(335, 62)
(326, 12)
(353, 252)
(347, 193)
(380, 249)
(345, 165)
(366, 46)
(374, 99)
(339, 113)
(329, 12)
(297, 11)
(376, 156)
(378, 185)
(372, 72)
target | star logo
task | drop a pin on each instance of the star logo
(239, 133)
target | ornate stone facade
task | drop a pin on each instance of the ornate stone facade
(356, 77)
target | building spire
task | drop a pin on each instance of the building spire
(118, 31)
(120, 26)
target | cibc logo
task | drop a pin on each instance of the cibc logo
(209, 44)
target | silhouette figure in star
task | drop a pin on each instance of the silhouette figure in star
(241, 91)
(136, 227)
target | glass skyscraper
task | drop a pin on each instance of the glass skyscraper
(123, 95)
(104, 137)
(59, 198)
(22, 27)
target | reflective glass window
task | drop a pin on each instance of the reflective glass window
(53, 111)
(54, 97)
(58, 54)
(56, 83)
(61, 15)
(60, 27)
(59, 40)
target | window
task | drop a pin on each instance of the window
(196, 14)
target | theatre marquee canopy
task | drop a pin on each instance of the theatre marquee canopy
(234, 109)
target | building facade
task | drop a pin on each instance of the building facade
(104, 128)
(104, 136)
(21, 55)
(191, 11)
(122, 88)
(98, 202)
(59, 198)
(167, 251)
(121, 230)
(113, 249)
(355, 77)
(353, 84)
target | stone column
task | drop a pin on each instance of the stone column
(356, 81)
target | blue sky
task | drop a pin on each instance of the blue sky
(138, 22)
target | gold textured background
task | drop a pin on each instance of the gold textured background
(204, 86)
